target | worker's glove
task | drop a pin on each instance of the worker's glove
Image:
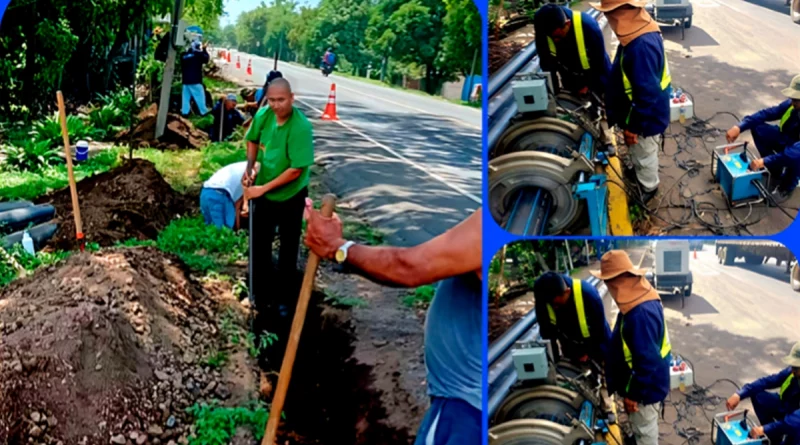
(631, 138)
(732, 402)
(733, 134)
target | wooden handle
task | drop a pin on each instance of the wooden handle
(328, 203)
(62, 114)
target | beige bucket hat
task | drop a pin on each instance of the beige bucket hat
(793, 359)
(793, 91)
(615, 263)
(610, 5)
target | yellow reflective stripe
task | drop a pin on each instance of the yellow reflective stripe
(552, 314)
(666, 346)
(666, 79)
(552, 45)
(788, 380)
(786, 116)
(577, 25)
(577, 294)
(625, 349)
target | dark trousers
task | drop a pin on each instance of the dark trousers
(769, 140)
(450, 422)
(767, 406)
(274, 287)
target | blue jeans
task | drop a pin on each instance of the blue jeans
(197, 93)
(767, 406)
(769, 140)
(450, 422)
(217, 208)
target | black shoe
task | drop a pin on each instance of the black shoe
(780, 196)
(648, 196)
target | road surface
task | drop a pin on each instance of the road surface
(737, 57)
(738, 324)
(411, 164)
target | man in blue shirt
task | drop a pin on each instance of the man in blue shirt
(226, 117)
(192, 70)
(571, 47)
(779, 413)
(777, 144)
(637, 99)
(637, 367)
(570, 311)
(453, 340)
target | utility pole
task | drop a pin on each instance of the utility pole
(472, 73)
(169, 71)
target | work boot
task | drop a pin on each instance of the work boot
(780, 196)
(648, 196)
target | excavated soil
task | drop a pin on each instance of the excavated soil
(109, 344)
(179, 133)
(130, 201)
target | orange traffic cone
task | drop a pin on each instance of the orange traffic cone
(330, 109)
(229, 57)
(238, 64)
(249, 67)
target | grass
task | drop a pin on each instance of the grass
(362, 232)
(219, 84)
(30, 263)
(217, 359)
(335, 299)
(216, 425)
(421, 297)
(183, 169)
(202, 247)
(15, 184)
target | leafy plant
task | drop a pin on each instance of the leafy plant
(92, 247)
(30, 263)
(122, 100)
(217, 359)
(202, 247)
(107, 120)
(421, 297)
(32, 155)
(257, 346)
(49, 130)
(216, 425)
(135, 242)
(228, 328)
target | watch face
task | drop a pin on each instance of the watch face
(340, 255)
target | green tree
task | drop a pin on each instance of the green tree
(342, 24)
(301, 35)
(462, 41)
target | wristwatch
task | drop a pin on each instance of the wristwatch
(341, 254)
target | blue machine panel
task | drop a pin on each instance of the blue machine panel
(735, 176)
(730, 431)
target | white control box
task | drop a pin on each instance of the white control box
(675, 110)
(676, 377)
(530, 94)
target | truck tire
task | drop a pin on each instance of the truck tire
(688, 24)
(794, 11)
(721, 255)
(728, 257)
(795, 277)
(688, 292)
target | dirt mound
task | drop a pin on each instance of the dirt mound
(131, 201)
(107, 345)
(179, 134)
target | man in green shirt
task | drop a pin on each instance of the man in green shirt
(280, 139)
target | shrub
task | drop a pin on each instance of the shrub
(32, 155)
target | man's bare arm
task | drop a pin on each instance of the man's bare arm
(455, 252)
(252, 154)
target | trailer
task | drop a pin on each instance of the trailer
(671, 273)
(759, 252)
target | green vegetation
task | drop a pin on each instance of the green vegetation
(216, 425)
(202, 247)
(30, 263)
(216, 359)
(213, 84)
(334, 299)
(186, 168)
(256, 346)
(421, 297)
(354, 229)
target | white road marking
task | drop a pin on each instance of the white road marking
(732, 7)
(398, 155)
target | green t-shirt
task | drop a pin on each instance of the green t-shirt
(286, 146)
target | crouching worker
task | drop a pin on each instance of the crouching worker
(222, 196)
(779, 413)
(226, 117)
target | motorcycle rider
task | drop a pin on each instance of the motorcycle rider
(329, 60)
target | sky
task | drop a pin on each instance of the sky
(235, 7)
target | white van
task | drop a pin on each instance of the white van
(671, 268)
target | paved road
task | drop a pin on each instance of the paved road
(411, 164)
(737, 57)
(739, 322)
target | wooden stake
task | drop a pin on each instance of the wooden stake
(62, 114)
(328, 203)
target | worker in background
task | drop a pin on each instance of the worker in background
(453, 324)
(776, 143)
(571, 314)
(260, 94)
(778, 413)
(192, 69)
(571, 46)
(228, 117)
(222, 196)
(637, 365)
(278, 191)
(637, 98)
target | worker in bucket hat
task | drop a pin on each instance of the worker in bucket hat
(778, 412)
(637, 367)
(637, 97)
(776, 143)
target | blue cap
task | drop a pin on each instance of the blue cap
(232, 97)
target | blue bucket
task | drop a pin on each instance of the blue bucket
(81, 151)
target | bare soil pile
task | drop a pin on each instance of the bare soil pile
(179, 133)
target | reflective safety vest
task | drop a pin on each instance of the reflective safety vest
(577, 295)
(577, 25)
(786, 116)
(666, 348)
(666, 79)
(786, 383)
